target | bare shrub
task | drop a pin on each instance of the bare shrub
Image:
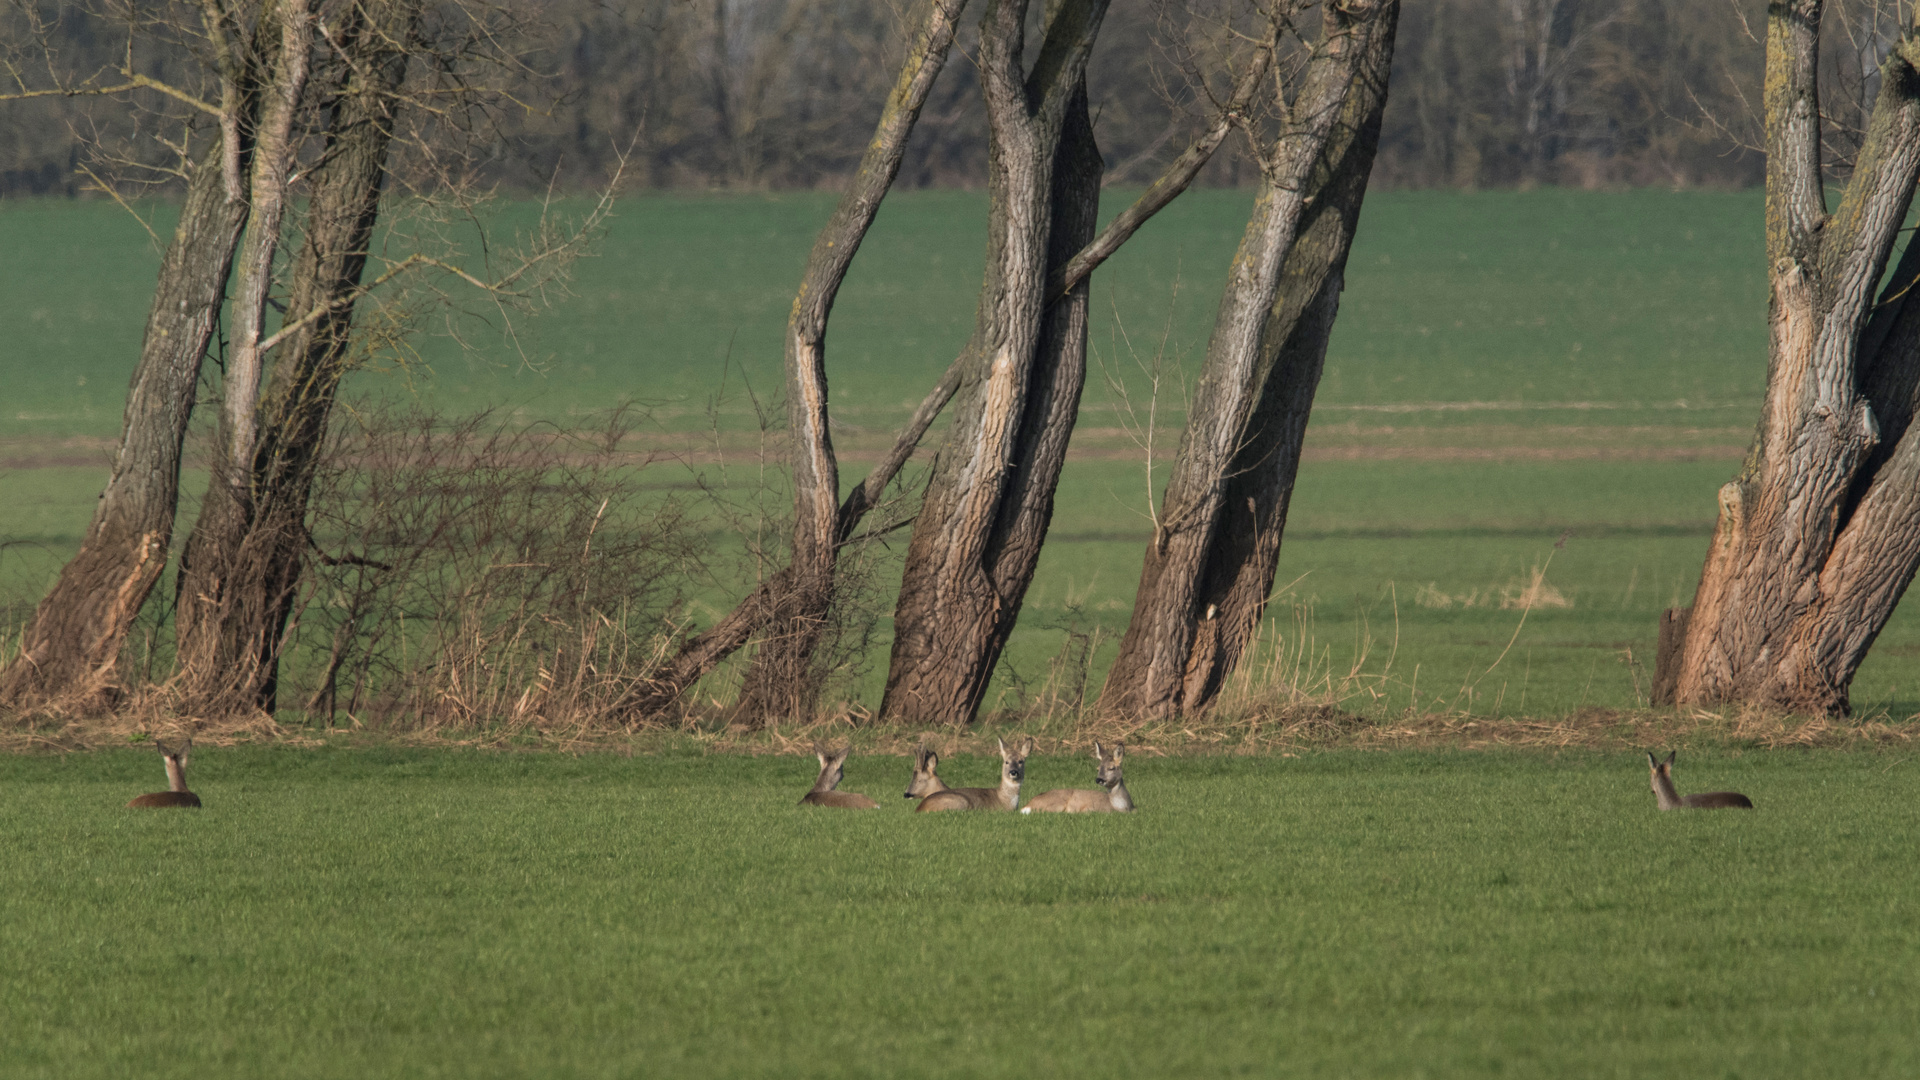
(472, 574)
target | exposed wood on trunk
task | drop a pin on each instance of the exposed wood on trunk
(1206, 574)
(1817, 537)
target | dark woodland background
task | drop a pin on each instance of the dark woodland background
(757, 94)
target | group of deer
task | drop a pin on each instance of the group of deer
(935, 795)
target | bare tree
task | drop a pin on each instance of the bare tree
(71, 647)
(1216, 539)
(1819, 534)
(795, 601)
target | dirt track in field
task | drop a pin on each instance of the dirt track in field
(1467, 443)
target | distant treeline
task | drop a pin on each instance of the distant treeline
(783, 94)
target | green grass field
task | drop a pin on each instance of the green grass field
(430, 913)
(1508, 367)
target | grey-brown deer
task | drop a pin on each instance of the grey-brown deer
(832, 771)
(1013, 768)
(1112, 798)
(1670, 798)
(176, 793)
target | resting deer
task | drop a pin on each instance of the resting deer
(832, 771)
(1112, 798)
(1671, 799)
(176, 793)
(925, 782)
(1013, 767)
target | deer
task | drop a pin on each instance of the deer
(1112, 798)
(1013, 767)
(176, 793)
(1671, 799)
(832, 771)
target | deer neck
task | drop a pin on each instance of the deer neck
(1118, 798)
(176, 775)
(1664, 791)
(1009, 792)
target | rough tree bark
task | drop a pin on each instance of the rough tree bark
(990, 496)
(699, 654)
(71, 647)
(1210, 565)
(250, 553)
(781, 681)
(213, 675)
(1819, 534)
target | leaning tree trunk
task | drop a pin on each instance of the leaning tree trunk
(1818, 535)
(990, 495)
(218, 671)
(265, 553)
(769, 602)
(71, 647)
(1210, 564)
(782, 681)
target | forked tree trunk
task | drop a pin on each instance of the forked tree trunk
(782, 681)
(775, 600)
(1210, 565)
(990, 497)
(254, 561)
(71, 648)
(1819, 534)
(218, 672)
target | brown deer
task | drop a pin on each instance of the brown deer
(1013, 767)
(832, 771)
(176, 793)
(1112, 798)
(925, 782)
(1671, 799)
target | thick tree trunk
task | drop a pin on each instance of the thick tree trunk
(699, 655)
(990, 496)
(72, 646)
(1818, 535)
(1209, 568)
(783, 682)
(222, 664)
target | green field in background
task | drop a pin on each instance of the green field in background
(444, 913)
(1511, 323)
(1639, 301)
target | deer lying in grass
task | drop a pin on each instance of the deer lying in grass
(832, 771)
(1013, 767)
(176, 793)
(1112, 798)
(1671, 799)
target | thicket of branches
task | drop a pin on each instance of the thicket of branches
(783, 93)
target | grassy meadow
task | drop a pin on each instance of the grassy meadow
(1521, 383)
(435, 913)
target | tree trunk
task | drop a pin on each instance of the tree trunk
(213, 676)
(990, 496)
(1209, 568)
(1818, 535)
(71, 648)
(803, 615)
(253, 560)
(783, 682)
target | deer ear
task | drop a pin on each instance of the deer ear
(1652, 762)
(1097, 751)
(1003, 746)
(1671, 756)
(1119, 750)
